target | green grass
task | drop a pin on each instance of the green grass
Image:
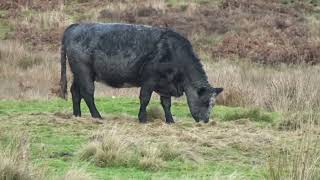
(130, 106)
(55, 144)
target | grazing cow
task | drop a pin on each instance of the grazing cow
(127, 55)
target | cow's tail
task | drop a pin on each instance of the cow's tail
(63, 78)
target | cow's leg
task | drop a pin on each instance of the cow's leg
(166, 104)
(145, 95)
(76, 98)
(86, 83)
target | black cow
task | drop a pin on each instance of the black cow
(127, 55)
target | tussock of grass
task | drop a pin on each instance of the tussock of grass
(302, 160)
(115, 148)
(15, 163)
(10, 168)
(109, 149)
(155, 112)
(77, 174)
(150, 159)
(169, 152)
(88, 151)
(154, 146)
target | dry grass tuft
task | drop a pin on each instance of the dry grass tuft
(169, 151)
(89, 151)
(26, 74)
(155, 112)
(77, 174)
(108, 149)
(150, 158)
(121, 146)
(302, 160)
(15, 163)
(282, 88)
(150, 147)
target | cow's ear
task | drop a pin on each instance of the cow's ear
(217, 91)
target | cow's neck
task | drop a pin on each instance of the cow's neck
(196, 77)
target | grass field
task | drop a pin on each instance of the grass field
(56, 138)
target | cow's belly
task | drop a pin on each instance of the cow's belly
(116, 71)
(169, 89)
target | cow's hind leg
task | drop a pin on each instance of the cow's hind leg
(166, 104)
(145, 95)
(76, 98)
(86, 84)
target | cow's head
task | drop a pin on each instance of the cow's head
(201, 100)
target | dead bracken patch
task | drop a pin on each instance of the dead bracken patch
(33, 4)
(267, 32)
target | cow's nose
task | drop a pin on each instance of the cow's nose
(206, 120)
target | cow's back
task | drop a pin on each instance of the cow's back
(114, 51)
(112, 38)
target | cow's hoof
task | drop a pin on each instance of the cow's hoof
(143, 121)
(170, 122)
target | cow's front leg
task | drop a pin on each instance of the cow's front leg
(166, 105)
(145, 95)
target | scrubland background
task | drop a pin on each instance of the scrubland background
(265, 54)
